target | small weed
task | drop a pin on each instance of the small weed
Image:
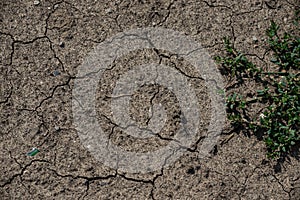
(286, 49)
(279, 98)
(236, 63)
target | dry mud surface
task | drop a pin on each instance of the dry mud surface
(42, 45)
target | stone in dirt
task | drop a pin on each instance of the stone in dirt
(36, 2)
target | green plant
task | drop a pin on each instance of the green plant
(235, 104)
(236, 63)
(286, 49)
(279, 98)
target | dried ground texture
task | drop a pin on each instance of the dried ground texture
(42, 44)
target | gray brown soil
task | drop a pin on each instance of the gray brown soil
(42, 44)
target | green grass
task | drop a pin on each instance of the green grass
(279, 116)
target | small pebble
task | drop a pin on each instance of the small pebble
(108, 10)
(258, 26)
(36, 2)
(56, 73)
(62, 44)
(57, 128)
(254, 39)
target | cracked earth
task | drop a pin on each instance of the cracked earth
(42, 44)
